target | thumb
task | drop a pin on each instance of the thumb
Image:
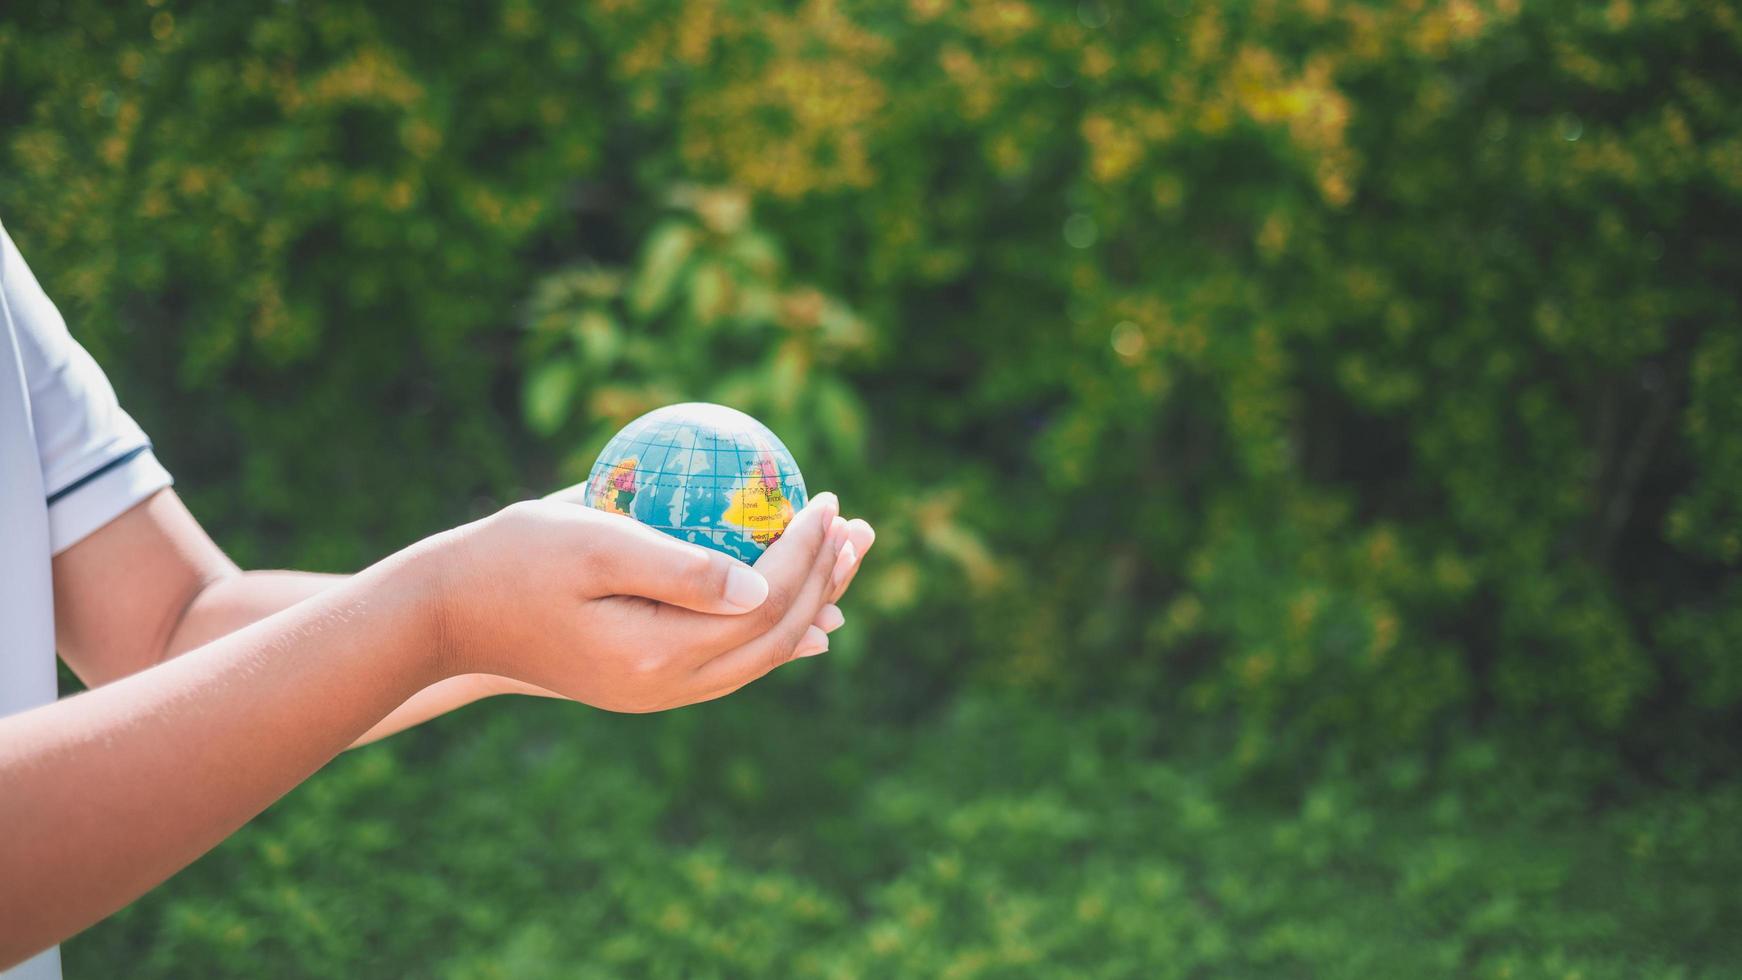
(630, 558)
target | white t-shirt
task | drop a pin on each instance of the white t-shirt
(70, 461)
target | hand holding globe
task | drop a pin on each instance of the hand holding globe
(715, 477)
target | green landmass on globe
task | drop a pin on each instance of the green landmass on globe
(704, 473)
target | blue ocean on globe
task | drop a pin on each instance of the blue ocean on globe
(705, 473)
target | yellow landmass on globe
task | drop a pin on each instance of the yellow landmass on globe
(759, 507)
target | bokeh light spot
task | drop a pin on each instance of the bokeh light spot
(1081, 231)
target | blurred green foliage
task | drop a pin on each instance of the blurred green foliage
(996, 840)
(1352, 381)
(707, 314)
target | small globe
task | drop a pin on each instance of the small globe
(705, 473)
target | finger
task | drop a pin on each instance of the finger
(829, 619)
(814, 643)
(786, 566)
(791, 554)
(697, 637)
(788, 554)
(780, 644)
(630, 558)
(861, 535)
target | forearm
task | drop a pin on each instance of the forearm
(442, 697)
(235, 601)
(105, 794)
(240, 599)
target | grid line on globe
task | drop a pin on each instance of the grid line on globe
(703, 473)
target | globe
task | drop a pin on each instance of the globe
(705, 473)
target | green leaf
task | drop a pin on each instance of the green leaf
(598, 337)
(841, 419)
(759, 255)
(668, 250)
(710, 292)
(548, 392)
(786, 376)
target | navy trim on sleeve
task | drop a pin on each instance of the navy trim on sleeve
(121, 460)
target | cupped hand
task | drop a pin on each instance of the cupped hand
(562, 599)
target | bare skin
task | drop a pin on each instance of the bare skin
(216, 691)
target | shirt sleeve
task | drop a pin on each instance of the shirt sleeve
(96, 462)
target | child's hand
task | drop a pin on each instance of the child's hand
(604, 610)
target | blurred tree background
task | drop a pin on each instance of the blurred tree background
(1305, 440)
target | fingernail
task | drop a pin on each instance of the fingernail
(745, 589)
(867, 533)
(815, 641)
(831, 618)
(837, 533)
(830, 504)
(844, 564)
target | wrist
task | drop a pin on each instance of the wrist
(415, 581)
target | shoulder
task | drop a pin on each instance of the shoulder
(43, 340)
(96, 461)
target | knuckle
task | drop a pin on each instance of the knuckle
(698, 570)
(781, 596)
(785, 648)
(768, 615)
(527, 510)
(514, 515)
(603, 561)
(782, 654)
